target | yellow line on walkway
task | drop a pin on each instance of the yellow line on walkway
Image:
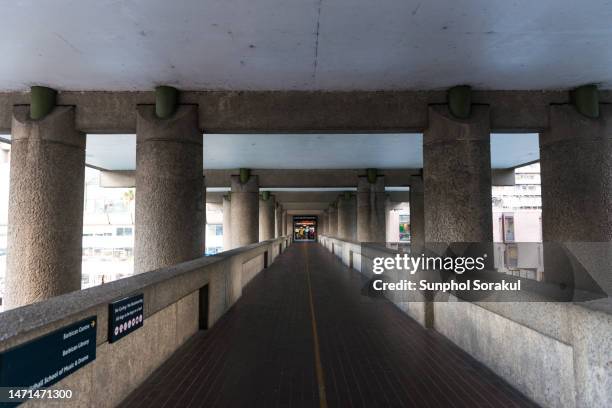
(315, 338)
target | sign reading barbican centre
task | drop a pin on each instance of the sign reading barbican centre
(125, 316)
(45, 360)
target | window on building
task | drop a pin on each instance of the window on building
(108, 232)
(124, 231)
(404, 227)
(508, 228)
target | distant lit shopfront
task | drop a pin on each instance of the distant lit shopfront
(304, 228)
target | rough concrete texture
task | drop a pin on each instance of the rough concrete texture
(169, 189)
(457, 177)
(390, 228)
(227, 222)
(171, 317)
(45, 212)
(289, 225)
(203, 242)
(371, 226)
(118, 179)
(295, 111)
(592, 342)
(565, 353)
(251, 268)
(530, 365)
(360, 257)
(122, 366)
(576, 171)
(417, 213)
(576, 160)
(332, 221)
(284, 221)
(322, 223)
(347, 217)
(245, 211)
(316, 178)
(266, 218)
(503, 177)
(276, 178)
(278, 219)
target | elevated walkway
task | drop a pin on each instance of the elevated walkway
(302, 334)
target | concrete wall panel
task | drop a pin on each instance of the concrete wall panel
(171, 317)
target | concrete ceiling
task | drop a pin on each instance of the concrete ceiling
(310, 151)
(305, 44)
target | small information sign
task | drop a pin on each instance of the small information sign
(125, 316)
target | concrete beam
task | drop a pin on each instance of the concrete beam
(301, 111)
(118, 179)
(282, 178)
(277, 178)
(288, 198)
(289, 178)
(502, 177)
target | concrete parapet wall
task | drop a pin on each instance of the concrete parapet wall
(557, 354)
(171, 312)
(350, 253)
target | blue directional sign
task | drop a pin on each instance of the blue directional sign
(45, 360)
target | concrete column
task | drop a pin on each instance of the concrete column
(266, 216)
(457, 177)
(203, 243)
(371, 210)
(322, 223)
(417, 214)
(170, 210)
(390, 227)
(332, 215)
(576, 171)
(227, 222)
(347, 217)
(278, 220)
(45, 214)
(245, 211)
(289, 224)
(284, 223)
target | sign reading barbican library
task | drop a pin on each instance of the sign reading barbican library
(125, 316)
(44, 361)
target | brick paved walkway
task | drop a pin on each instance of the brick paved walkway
(261, 353)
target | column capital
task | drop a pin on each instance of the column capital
(416, 184)
(566, 123)
(364, 185)
(251, 186)
(443, 126)
(182, 127)
(58, 126)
